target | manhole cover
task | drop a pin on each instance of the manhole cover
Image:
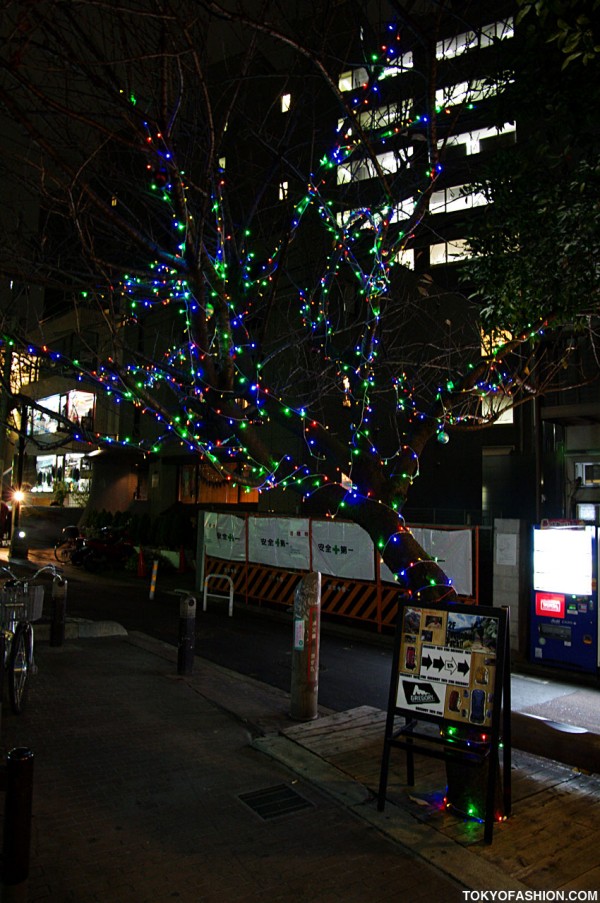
(273, 802)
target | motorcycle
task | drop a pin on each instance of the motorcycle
(110, 548)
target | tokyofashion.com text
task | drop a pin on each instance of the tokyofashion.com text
(545, 896)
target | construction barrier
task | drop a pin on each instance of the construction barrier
(323, 546)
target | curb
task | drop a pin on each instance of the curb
(80, 628)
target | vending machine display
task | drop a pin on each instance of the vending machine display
(564, 610)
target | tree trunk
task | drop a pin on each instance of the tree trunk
(419, 576)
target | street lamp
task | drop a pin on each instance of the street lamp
(18, 544)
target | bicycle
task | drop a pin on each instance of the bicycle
(20, 604)
(71, 540)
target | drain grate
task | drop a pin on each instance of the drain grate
(273, 802)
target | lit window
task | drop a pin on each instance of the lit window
(404, 62)
(462, 43)
(492, 341)
(283, 190)
(353, 79)
(345, 81)
(387, 114)
(406, 258)
(402, 211)
(222, 161)
(499, 406)
(465, 92)
(448, 200)
(481, 139)
(286, 103)
(358, 170)
(363, 218)
(448, 252)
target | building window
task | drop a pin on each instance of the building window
(362, 219)
(459, 197)
(448, 252)
(358, 170)
(481, 139)
(188, 484)
(25, 369)
(391, 114)
(75, 406)
(498, 405)
(200, 484)
(222, 162)
(286, 103)
(470, 40)
(283, 191)
(355, 78)
(72, 471)
(404, 62)
(466, 92)
(406, 258)
(402, 211)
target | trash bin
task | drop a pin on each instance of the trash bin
(467, 775)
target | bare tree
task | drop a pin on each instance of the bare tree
(224, 194)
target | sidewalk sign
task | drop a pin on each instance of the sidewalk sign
(451, 667)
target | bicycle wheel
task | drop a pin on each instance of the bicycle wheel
(63, 551)
(19, 664)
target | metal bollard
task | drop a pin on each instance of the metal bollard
(59, 611)
(187, 635)
(17, 824)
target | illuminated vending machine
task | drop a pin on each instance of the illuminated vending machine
(564, 612)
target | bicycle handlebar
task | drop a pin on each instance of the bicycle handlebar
(56, 573)
(8, 571)
(52, 570)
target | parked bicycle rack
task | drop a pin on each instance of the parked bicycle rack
(206, 594)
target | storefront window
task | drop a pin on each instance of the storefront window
(199, 484)
(71, 469)
(76, 406)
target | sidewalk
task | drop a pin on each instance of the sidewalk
(142, 780)
(140, 785)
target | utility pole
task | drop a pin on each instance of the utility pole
(18, 543)
(5, 406)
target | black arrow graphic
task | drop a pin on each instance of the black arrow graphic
(438, 663)
(463, 667)
(426, 662)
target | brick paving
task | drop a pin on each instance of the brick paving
(137, 780)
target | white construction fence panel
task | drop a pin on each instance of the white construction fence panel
(339, 548)
(342, 549)
(281, 542)
(453, 550)
(225, 536)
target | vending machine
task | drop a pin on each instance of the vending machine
(564, 611)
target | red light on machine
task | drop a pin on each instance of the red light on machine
(552, 605)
